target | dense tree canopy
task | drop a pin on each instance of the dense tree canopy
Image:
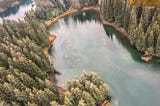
(49, 8)
(24, 67)
(90, 90)
(141, 23)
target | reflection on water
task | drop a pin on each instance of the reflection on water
(17, 12)
(85, 44)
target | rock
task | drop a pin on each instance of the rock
(147, 58)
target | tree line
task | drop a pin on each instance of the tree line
(52, 8)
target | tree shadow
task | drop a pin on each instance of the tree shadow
(123, 42)
(85, 16)
(135, 54)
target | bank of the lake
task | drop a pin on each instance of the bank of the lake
(70, 12)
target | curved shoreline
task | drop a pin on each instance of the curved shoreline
(52, 37)
(102, 20)
(93, 8)
(52, 73)
(69, 12)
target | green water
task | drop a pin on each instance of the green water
(85, 44)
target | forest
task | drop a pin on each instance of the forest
(141, 23)
(6, 4)
(24, 68)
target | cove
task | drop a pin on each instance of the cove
(83, 43)
(17, 12)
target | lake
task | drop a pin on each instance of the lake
(83, 43)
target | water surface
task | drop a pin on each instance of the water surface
(17, 12)
(85, 44)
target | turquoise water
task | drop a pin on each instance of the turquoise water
(17, 12)
(85, 44)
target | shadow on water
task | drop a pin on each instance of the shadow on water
(85, 16)
(110, 32)
(55, 74)
(132, 81)
(91, 15)
(82, 17)
(14, 10)
(136, 55)
(52, 74)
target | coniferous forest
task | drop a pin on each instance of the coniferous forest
(24, 67)
(141, 23)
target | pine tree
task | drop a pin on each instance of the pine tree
(158, 47)
(88, 88)
(4, 60)
(82, 103)
(150, 40)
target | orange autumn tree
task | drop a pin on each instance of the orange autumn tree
(145, 2)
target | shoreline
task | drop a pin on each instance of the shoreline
(52, 37)
(12, 6)
(93, 8)
(69, 12)
(51, 75)
(46, 51)
(117, 28)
